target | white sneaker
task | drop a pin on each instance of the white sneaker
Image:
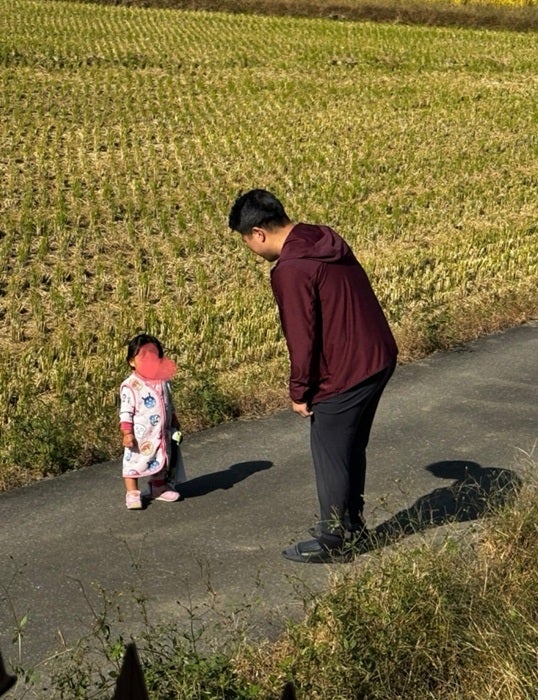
(133, 500)
(160, 491)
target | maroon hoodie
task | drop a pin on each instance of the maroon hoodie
(336, 331)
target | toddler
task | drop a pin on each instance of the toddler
(147, 420)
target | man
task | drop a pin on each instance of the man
(342, 354)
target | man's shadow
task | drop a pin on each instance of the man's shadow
(226, 479)
(475, 493)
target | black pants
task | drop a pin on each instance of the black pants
(339, 434)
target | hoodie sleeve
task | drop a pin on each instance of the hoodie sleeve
(127, 404)
(295, 293)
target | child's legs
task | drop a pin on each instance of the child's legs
(133, 499)
(160, 489)
(160, 478)
(131, 484)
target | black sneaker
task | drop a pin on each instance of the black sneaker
(312, 552)
(351, 531)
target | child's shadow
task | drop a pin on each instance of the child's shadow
(475, 492)
(226, 479)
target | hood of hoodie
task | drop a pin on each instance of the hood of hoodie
(315, 243)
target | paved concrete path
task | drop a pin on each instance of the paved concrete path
(251, 492)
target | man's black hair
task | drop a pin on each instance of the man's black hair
(257, 208)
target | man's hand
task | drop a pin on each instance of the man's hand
(302, 409)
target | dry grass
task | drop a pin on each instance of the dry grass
(449, 622)
(516, 15)
(127, 133)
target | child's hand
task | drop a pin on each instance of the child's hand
(129, 440)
